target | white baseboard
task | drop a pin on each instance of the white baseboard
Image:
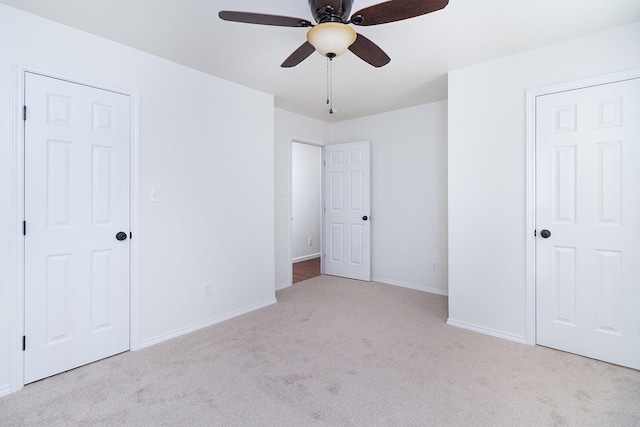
(410, 286)
(283, 285)
(487, 331)
(305, 258)
(218, 319)
(4, 390)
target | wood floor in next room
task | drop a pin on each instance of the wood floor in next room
(306, 270)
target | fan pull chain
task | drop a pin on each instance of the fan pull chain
(328, 101)
(330, 84)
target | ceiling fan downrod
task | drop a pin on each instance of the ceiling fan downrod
(330, 10)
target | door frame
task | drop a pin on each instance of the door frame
(290, 205)
(17, 255)
(530, 179)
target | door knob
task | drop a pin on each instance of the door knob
(364, 218)
(545, 234)
(121, 235)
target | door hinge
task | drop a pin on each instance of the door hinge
(325, 163)
(24, 112)
(24, 343)
(535, 233)
(24, 228)
(130, 235)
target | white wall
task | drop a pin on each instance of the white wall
(408, 193)
(289, 127)
(408, 190)
(207, 142)
(487, 171)
(306, 186)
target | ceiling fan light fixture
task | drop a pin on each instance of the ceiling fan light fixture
(331, 38)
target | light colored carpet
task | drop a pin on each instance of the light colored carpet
(335, 352)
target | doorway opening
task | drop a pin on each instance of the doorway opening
(306, 211)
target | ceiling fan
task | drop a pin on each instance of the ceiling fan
(331, 36)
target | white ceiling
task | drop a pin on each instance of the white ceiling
(422, 49)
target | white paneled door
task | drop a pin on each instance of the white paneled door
(77, 141)
(347, 230)
(588, 222)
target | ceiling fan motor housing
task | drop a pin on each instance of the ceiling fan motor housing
(325, 10)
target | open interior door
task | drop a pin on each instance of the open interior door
(347, 224)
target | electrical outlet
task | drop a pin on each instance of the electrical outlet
(156, 194)
(207, 289)
(434, 267)
(310, 241)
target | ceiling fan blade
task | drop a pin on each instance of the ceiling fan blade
(299, 55)
(262, 19)
(369, 52)
(396, 10)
